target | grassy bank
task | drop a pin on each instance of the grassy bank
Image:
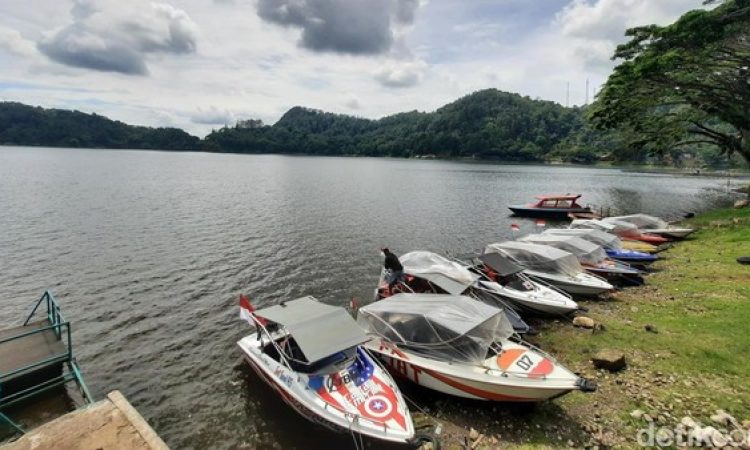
(697, 361)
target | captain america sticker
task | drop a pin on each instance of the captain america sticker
(378, 406)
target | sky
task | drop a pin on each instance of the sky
(203, 64)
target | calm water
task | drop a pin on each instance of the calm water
(147, 252)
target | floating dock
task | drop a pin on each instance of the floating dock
(110, 424)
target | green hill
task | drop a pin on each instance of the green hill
(27, 125)
(488, 124)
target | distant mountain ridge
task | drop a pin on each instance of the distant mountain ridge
(35, 126)
(488, 124)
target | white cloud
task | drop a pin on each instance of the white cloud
(401, 74)
(12, 41)
(212, 116)
(115, 36)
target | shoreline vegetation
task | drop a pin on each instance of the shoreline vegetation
(684, 337)
(486, 126)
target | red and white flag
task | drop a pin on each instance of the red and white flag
(514, 227)
(246, 312)
(541, 223)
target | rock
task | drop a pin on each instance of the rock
(571, 443)
(651, 329)
(426, 446)
(584, 322)
(636, 414)
(610, 360)
(473, 434)
(746, 424)
(739, 204)
(723, 418)
(634, 309)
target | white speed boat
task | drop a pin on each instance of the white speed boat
(592, 256)
(652, 224)
(463, 347)
(503, 276)
(429, 273)
(556, 267)
(311, 354)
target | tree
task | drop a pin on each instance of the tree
(684, 84)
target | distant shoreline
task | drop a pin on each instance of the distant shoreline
(627, 168)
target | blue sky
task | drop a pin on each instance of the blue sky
(200, 64)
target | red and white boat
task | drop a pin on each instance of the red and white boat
(463, 347)
(311, 354)
(624, 230)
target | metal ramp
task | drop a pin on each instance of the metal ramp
(37, 357)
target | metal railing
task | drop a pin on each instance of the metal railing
(54, 315)
(62, 331)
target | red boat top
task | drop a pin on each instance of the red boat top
(558, 197)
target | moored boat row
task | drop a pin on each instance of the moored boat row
(451, 325)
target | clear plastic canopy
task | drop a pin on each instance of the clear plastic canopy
(449, 275)
(444, 327)
(644, 221)
(541, 258)
(609, 225)
(598, 237)
(587, 252)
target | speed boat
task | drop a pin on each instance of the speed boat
(502, 275)
(551, 207)
(430, 273)
(462, 347)
(553, 266)
(612, 244)
(593, 258)
(655, 225)
(624, 230)
(312, 355)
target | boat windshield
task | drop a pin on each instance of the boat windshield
(442, 327)
(540, 258)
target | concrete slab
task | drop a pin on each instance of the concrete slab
(111, 424)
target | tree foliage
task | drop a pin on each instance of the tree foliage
(685, 84)
(27, 125)
(488, 124)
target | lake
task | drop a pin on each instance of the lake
(148, 251)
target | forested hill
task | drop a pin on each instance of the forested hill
(27, 125)
(488, 124)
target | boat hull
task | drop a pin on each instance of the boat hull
(467, 382)
(542, 301)
(573, 286)
(546, 213)
(335, 401)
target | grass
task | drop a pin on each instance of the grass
(699, 302)
(698, 299)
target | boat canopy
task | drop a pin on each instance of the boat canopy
(448, 275)
(320, 330)
(598, 237)
(444, 327)
(643, 221)
(558, 197)
(542, 258)
(587, 252)
(609, 225)
(501, 263)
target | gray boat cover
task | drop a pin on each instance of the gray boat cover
(598, 237)
(443, 327)
(501, 263)
(587, 252)
(541, 258)
(448, 275)
(613, 226)
(320, 330)
(643, 221)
